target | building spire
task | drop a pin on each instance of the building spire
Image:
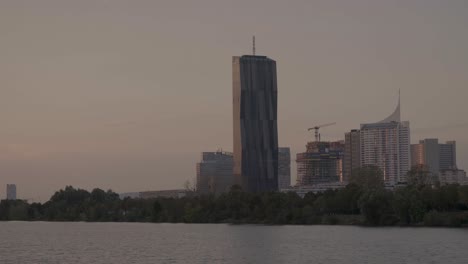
(395, 116)
(253, 44)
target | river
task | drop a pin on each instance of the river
(119, 243)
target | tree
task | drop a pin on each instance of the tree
(368, 177)
(419, 176)
(409, 205)
(376, 208)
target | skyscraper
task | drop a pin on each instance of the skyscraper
(284, 168)
(352, 153)
(386, 144)
(255, 123)
(11, 192)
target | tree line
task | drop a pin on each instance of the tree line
(364, 201)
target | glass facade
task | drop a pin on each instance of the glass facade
(255, 123)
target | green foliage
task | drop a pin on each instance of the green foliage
(376, 208)
(419, 177)
(369, 177)
(364, 201)
(450, 219)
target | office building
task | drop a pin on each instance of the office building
(448, 156)
(321, 163)
(11, 192)
(426, 153)
(386, 144)
(434, 156)
(214, 172)
(255, 123)
(284, 168)
(352, 153)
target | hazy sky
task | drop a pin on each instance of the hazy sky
(126, 94)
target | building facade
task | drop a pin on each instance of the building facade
(214, 172)
(352, 153)
(426, 153)
(453, 176)
(11, 192)
(448, 156)
(436, 157)
(284, 168)
(164, 194)
(321, 163)
(386, 144)
(255, 123)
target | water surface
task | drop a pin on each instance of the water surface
(119, 243)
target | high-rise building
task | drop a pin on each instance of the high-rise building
(386, 144)
(214, 172)
(426, 153)
(255, 123)
(352, 153)
(439, 159)
(448, 156)
(11, 192)
(321, 163)
(284, 168)
(436, 157)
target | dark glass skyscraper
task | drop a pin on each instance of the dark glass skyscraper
(255, 123)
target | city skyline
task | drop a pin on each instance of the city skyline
(107, 96)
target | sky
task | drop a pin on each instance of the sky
(125, 95)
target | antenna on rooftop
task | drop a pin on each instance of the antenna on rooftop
(253, 42)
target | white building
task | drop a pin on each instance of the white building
(386, 144)
(316, 188)
(453, 176)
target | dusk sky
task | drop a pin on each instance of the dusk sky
(125, 95)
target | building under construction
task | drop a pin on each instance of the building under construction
(321, 163)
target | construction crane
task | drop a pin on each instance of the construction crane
(316, 128)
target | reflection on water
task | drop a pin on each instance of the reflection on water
(40, 242)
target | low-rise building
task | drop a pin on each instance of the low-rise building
(316, 188)
(179, 193)
(453, 176)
